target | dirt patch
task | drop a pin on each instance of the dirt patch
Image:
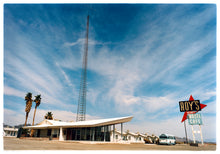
(25, 144)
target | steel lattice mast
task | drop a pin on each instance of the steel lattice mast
(81, 110)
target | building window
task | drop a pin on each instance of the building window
(116, 136)
(140, 138)
(55, 131)
(49, 132)
(129, 137)
(64, 132)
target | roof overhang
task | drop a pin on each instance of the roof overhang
(80, 124)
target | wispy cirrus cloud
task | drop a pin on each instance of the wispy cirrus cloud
(173, 62)
(81, 42)
(29, 71)
(13, 92)
(18, 117)
(160, 56)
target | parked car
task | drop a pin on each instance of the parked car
(167, 139)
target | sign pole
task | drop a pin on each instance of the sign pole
(190, 109)
(193, 135)
(201, 134)
(185, 132)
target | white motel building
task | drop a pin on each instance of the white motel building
(102, 130)
(10, 132)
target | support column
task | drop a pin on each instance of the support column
(61, 134)
(194, 141)
(104, 133)
(185, 132)
(121, 131)
(113, 133)
(93, 134)
(201, 134)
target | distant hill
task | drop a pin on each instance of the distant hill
(213, 140)
(183, 140)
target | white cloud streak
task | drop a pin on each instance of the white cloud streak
(31, 72)
(163, 52)
(13, 92)
(12, 117)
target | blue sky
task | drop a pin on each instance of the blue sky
(142, 60)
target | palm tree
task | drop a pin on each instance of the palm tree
(29, 101)
(49, 116)
(37, 100)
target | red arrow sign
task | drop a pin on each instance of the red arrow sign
(191, 112)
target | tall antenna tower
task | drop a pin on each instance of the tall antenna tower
(81, 110)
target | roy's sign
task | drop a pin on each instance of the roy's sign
(189, 105)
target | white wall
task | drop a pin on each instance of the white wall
(116, 137)
(126, 137)
(10, 133)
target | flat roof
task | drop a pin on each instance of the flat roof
(90, 123)
(10, 129)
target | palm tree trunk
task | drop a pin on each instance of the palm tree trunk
(34, 115)
(32, 131)
(26, 119)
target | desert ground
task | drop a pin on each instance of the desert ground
(11, 143)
